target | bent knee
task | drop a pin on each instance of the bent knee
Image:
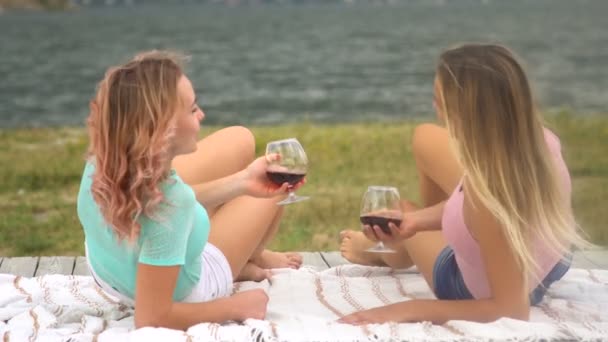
(243, 138)
(426, 136)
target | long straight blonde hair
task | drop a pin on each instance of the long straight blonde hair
(131, 126)
(498, 136)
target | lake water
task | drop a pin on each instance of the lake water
(268, 64)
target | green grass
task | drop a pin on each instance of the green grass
(41, 170)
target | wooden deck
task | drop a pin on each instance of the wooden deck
(37, 266)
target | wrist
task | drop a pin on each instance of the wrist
(413, 222)
(240, 181)
(417, 223)
(406, 310)
(234, 308)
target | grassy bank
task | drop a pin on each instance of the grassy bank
(41, 170)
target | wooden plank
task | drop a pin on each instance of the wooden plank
(55, 265)
(594, 259)
(30, 266)
(80, 267)
(313, 259)
(334, 259)
(21, 266)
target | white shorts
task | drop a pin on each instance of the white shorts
(216, 279)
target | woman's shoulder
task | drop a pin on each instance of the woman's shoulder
(88, 171)
(552, 140)
(89, 167)
(173, 188)
(176, 191)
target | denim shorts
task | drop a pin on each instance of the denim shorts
(449, 284)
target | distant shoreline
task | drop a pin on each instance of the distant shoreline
(51, 5)
(592, 116)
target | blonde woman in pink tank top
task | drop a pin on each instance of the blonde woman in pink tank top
(496, 227)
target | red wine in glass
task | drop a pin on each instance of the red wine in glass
(280, 177)
(291, 167)
(381, 205)
(382, 222)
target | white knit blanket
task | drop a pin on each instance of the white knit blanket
(303, 306)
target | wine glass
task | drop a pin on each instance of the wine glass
(291, 167)
(381, 205)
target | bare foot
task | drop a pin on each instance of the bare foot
(269, 259)
(353, 248)
(253, 272)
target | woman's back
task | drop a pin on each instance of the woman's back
(177, 235)
(466, 249)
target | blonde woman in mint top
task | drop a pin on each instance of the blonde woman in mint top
(169, 221)
(496, 228)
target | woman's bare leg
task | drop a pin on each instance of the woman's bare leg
(438, 174)
(353, 247)
(438, 170)
(242, 225)
(253, 272)
(268, 259)
(218, 155)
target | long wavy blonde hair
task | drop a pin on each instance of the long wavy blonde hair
(498, 136)
(130, 127)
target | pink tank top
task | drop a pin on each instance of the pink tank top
(466, 250)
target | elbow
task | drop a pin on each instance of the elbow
(519, 314)
(519, 311)
(522, 314)
(143, 323)
(143, 320)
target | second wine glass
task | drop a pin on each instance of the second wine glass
(291, 167)
(381, 205)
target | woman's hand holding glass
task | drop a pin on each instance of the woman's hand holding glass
(291, 166)
(379, 208)
(398, 233)
(257, 184)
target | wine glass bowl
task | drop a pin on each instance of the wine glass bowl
(291, 166)
(381, 205)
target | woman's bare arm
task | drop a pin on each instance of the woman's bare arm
(154, 305)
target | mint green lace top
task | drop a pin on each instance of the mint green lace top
(175, 235)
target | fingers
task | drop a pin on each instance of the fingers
(348, 319)
(286, 187)
(273, 190)
(382, 236)
(400, 232)
(295, 260)
(394, 229)
(272, 157)
(354, 319)
(298, 185)
(369, 233)
(294, 256)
